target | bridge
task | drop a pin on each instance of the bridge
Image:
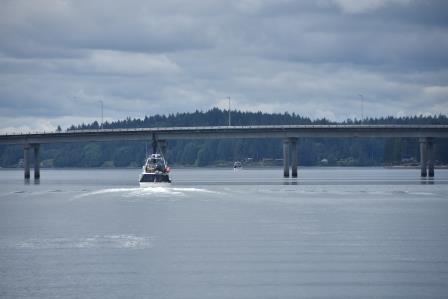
(290, 135)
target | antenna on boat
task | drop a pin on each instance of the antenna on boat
(154, 144)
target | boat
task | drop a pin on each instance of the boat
(155, 170)
(237, 165)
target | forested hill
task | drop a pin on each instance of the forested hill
(217, 117)
(344, 152)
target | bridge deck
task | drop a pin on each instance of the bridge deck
(218, 132)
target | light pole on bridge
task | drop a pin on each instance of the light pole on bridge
(362, 107)
(229, 110)
(101, 126)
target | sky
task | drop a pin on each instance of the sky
(338, 59)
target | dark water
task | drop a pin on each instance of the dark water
(333, 233)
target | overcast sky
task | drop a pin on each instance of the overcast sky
(317, 58)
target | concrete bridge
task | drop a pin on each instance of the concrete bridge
(288, 133)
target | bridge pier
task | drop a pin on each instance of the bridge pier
(290, 157)
(160, 144)
(294, 157)
(27, 162)
(426, 157)
(286, 158)
(430, 152)
(36, 161)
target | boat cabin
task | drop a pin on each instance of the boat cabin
(155, 163)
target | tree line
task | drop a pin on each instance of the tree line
(312, 151)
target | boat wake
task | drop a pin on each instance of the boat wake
(154, 191)
(96, 241)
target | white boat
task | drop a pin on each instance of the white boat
(155, 170)
(237, 165)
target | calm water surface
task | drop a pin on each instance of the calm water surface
(332, 233)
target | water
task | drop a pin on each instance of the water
(333, 233)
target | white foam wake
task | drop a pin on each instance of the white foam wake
(97, 241)
(156, 191)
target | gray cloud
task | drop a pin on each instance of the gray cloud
(59, 58)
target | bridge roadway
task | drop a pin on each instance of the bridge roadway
(289, 133)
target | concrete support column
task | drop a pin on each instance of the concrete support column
(36, 161)
(427, 157)
(430, 155)
(294, 157)
(423, 157)
(26, 160)
(286, 158)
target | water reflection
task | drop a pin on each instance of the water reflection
(427, 181)
(287, 182)
(27, 181)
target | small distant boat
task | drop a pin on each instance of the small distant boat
(237, 165)
(155, 170)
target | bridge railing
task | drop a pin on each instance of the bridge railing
(230, 128)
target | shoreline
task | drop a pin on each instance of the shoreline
(227, 167)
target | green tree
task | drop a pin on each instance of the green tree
(92, 155)
(123, 156)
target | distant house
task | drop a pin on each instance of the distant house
(323, 162)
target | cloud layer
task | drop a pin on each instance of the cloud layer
(60, 58)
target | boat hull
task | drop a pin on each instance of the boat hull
(154, 178)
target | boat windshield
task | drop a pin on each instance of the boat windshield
(155, 163)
